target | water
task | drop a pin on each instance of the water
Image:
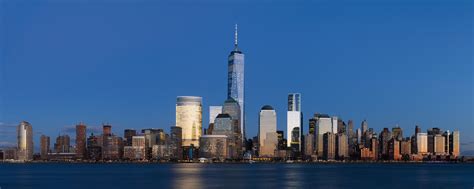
(188, 176)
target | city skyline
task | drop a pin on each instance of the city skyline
(340, 105)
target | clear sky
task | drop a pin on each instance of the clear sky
(390, 62)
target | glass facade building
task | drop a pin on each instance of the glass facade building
(294, 124)
(235, 80)
(189, 118)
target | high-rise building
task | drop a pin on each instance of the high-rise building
(107, 130)
(213, 112)
(294, 123)
(81, 140)
(394, 149)
(94, 148)
(384, 138)
(294, 126)
(44, 147)
(224, 125)
(63, 144)
(405, 147)
(25, 141)
(439, 145)
(447, 138)
(266, 128)
(329, 146)
(342, 146)
(364, 126)
(397, 133)
(323, 125)
(281, 140)
(422, 143)
(175, 144)
(454, 147)
(334, 124)
(189, 118)
(137, 151)
(235, 80)
(128, 134)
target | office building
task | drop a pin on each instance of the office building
(189, 118)
(329, 146)
(342, 146)
(25, 141)
(81, 140)
(44, 147)
(235, 80)
(214, 147)
(128, 135)
(213, 112)
(422, 143)
(63, 144)
(267, 128)
(323, 125)
(294, 123)
(175, 143)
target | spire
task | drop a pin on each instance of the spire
(235, 40)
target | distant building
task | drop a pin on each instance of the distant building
(214, 147)
(128, 135)
(25, 141)
(342, 146)
(281, 140)
(394, 149)
(323, 125)
(439, 145)
(267, 128)
(384, 140)
(81, 140)
(454, 147)
(112, 146)
(137, 150)
(63, 144)
(94, 148)
(235, 81)
(294, 123)
(44, 147)
(397, 133)
(422, 143)
(334, 125)
(189, 118)
(232, 108)
(405, 147)
(175, 143)
(329, 146)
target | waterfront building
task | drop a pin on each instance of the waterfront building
(405, 147)
(309, 147)
(63, 144)
(128, 135)
(294, 123)
(323, 125)
(422, 143)
(214, 147)
(44, 147)
(454, 144)
(81, 135)
(364, 126)
(137, 151)
(447, 138)
(160, 152)
(224, 125)
(334, 125)
(384, 138)
(342, 146)
(267, 128)
(189, 118)
(235, 80)
(94, 148)
(397, 133)
(232, 108)
(374, 147)
(281, 140)
(112, 146)
(175, 143)
(25, 141)
(439, 145)
(394, 149)
(329, 146)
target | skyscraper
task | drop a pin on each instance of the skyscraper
(175, 146)
(323, 125)
(63, 143)
(294, 124)
(235, 80)
(44, 146)
(364, 126)
(266, 127)
(128, 134)
(455, 144)
(25, 141)
(422, 143)
(80, 140)
(189, 118)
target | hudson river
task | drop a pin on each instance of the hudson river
(188, 176)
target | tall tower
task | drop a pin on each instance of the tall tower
(267, 136)
(294, 124)
(235, 80)
(81, 140)
(25, 141)
(189, 118)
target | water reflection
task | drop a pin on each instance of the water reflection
(187, 176)
(293, 175)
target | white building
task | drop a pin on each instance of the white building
(422, 143)
(213, 112)
(267, 125)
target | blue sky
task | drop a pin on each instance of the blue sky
(390, 62)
